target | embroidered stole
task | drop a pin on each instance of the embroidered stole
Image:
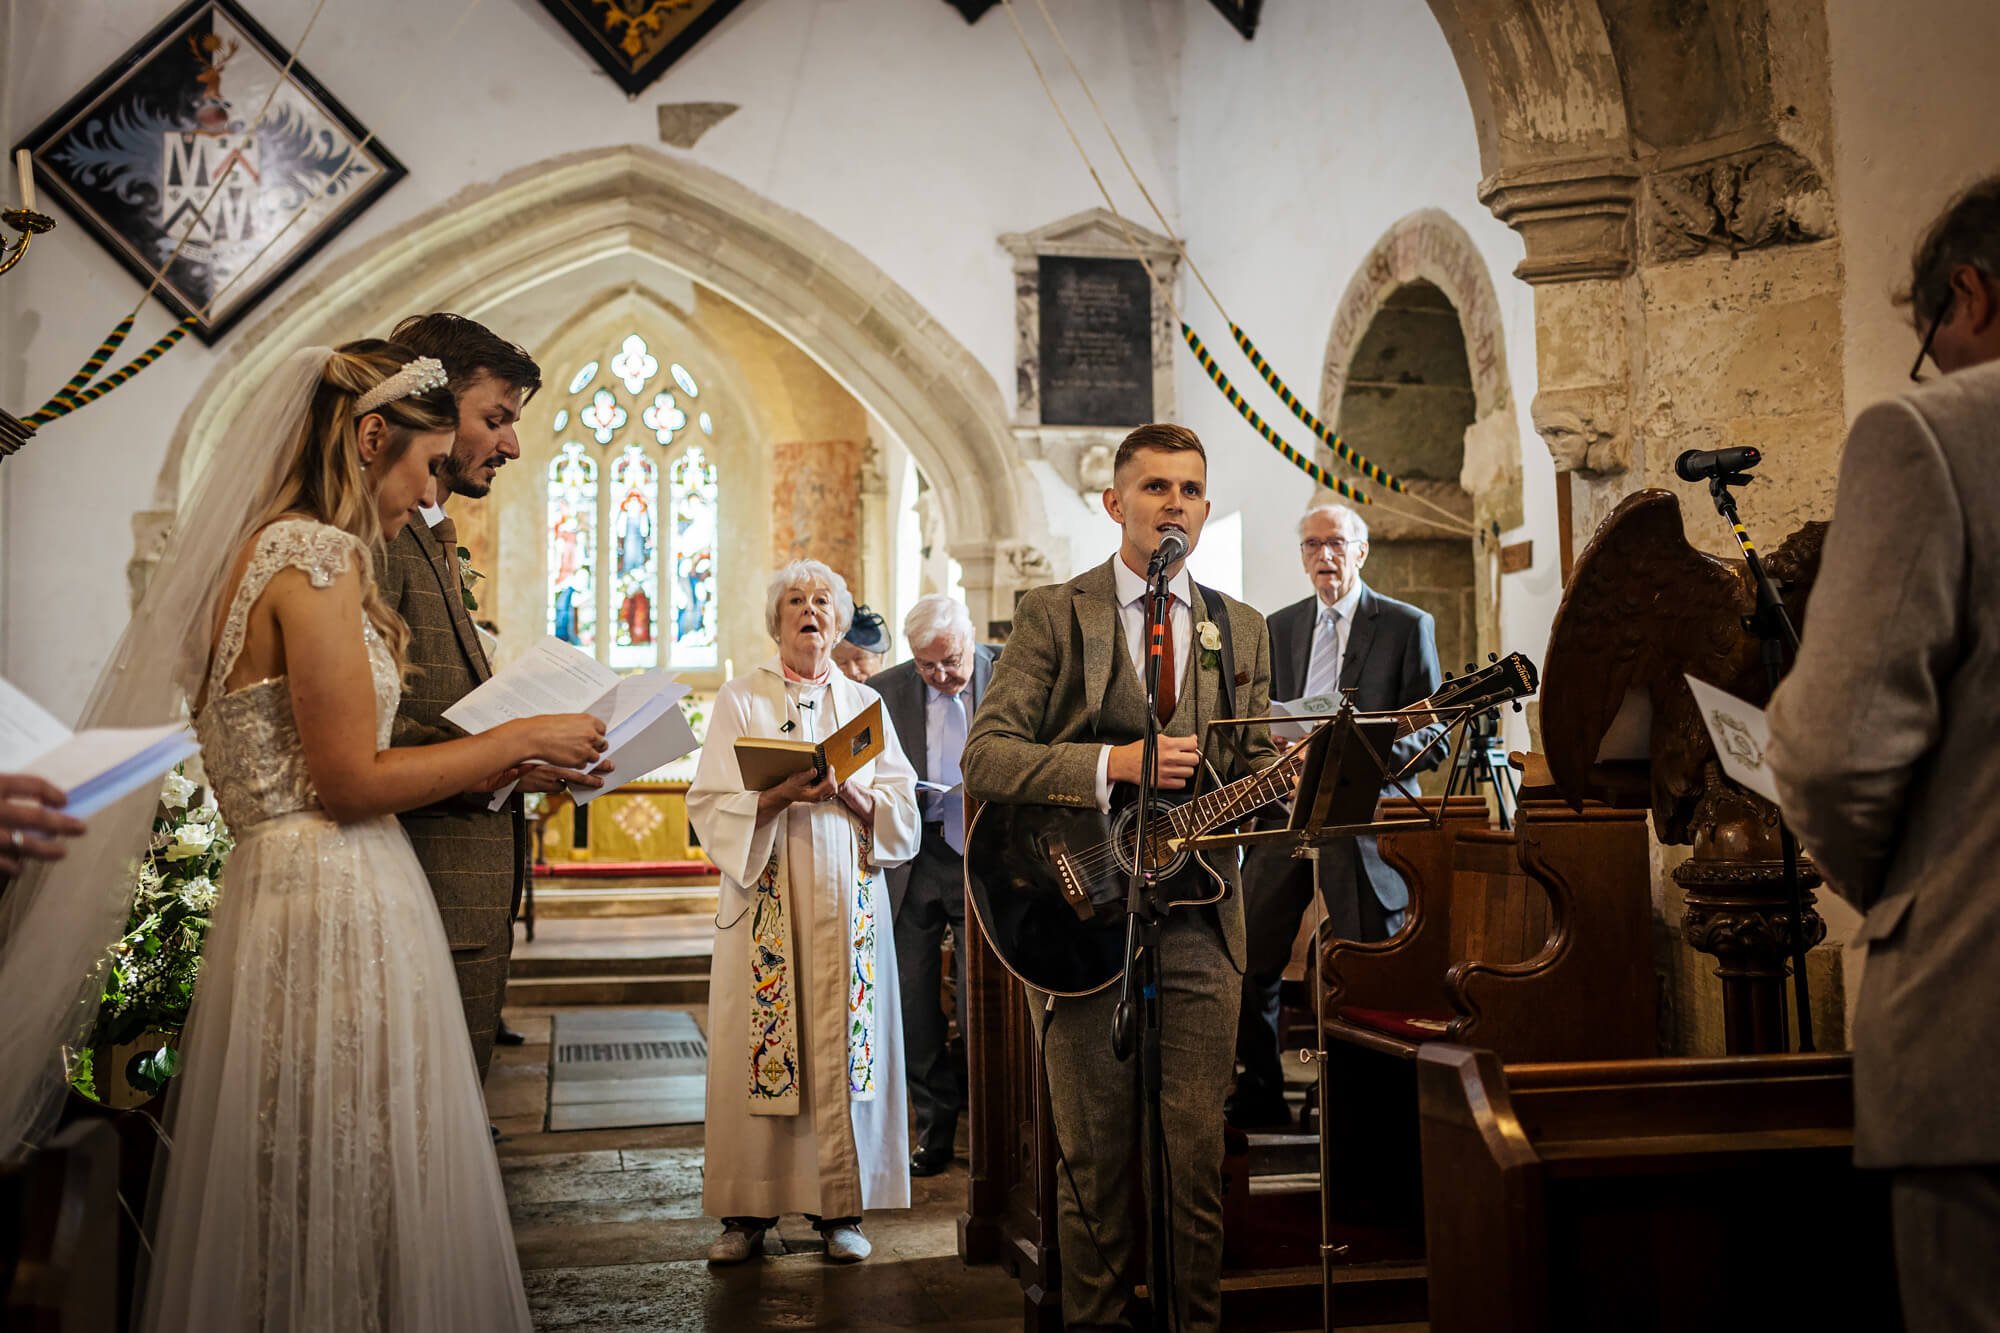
(774, 1037)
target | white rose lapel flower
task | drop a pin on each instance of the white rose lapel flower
(1210, 639)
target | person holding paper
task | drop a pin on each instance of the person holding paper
(476, 856)
(807, 1110)
(328, 1129)
(1344, 636)
(931, 700)
(1882, 748)
(30, 820)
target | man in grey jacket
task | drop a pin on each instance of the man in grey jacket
(1884, 756)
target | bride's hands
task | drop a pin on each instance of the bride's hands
(567, 740)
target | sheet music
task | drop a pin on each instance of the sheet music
(551, 677)
(1742, 736)
(1313, 706)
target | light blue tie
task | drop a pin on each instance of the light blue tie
(1323, 674)
(953, 812)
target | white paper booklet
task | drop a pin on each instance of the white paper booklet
(94, 767)
(644, 728)
(1741, 734)
(1313, 706)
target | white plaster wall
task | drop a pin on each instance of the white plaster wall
(1299, 150)
(891, 123)
(1914, 95)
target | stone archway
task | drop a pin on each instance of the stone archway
(1421, 316)
(481, 249)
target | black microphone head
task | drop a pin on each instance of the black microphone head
(1688, 466)
(1173, 547)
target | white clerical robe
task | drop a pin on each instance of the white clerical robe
(839, 1151)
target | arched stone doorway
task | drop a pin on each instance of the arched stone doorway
(669, 221)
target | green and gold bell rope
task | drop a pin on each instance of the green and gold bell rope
(70, 398)
(1257, 423)
(1313, 423)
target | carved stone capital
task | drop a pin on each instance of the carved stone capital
(1769, 195)
(1574, 217)
(1587, 429)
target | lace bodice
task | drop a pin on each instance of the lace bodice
(249, 739)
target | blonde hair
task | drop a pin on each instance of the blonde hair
(327, 479)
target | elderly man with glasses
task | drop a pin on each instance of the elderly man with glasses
(1882, 747)
(930, 700)
(1345, 636)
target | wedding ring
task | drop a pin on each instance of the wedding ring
(14, 839)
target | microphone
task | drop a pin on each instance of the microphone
(1702, 464)
(793, 724)
(1173, 547)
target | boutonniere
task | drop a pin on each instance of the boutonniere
(1211, 642)
(467, 576)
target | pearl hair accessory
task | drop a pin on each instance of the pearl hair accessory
(418, 376)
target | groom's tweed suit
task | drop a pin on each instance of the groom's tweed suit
(475, 858)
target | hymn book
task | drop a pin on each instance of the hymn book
(766, 763)
(93, 768)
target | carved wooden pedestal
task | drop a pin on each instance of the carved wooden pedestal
(1739, 910)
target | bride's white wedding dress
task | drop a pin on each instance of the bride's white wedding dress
(330, 1167)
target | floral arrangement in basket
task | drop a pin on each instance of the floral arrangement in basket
(154, 967)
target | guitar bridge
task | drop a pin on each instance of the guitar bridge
(1074, 891)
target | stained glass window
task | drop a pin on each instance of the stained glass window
(635, 561)
(572, 524)
(693, 493)
(632, 563)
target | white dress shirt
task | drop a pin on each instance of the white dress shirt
(1323, 675)
(1132, 620)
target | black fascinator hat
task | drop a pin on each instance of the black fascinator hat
(868, 633)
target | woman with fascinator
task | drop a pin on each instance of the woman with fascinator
(327, 1163)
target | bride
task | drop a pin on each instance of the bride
(328, 1163)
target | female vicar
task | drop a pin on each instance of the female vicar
(807, 1111)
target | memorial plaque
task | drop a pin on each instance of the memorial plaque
(1096, 352)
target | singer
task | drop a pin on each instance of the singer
(1063, 720)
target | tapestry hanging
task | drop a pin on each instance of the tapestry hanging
(189, 154)
(1242, 14)
(635, 40)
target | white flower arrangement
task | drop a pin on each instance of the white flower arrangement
(1211, 641)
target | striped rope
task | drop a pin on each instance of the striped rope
(1258, 424)
(105, 350)
(1329, 438)
(66, 402)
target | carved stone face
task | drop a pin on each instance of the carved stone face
(1585, 429)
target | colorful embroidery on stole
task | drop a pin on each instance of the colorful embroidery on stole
(862, 987)
(774, 1045)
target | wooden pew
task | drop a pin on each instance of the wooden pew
(1535, 942)
(1649, 1195)
(59, 1235)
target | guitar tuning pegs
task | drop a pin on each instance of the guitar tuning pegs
(1517, 705)
(1471, 667)
(1492, 657)
(1447, 675)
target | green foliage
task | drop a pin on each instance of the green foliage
(154, 967)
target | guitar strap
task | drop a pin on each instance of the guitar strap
(1213, 599)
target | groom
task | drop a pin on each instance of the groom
(476, 858)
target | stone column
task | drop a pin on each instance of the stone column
(816, 504)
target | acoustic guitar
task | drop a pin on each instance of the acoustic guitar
(1048, 883)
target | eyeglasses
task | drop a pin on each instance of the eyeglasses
(1334, 544)
(1924, 352)
(943, 666)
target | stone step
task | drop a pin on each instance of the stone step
(610, 988)
(1284, 1154)
(557, 901)
(556, 966)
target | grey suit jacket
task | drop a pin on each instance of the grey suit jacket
(1036, 739)
(906, 698)
(1391, 661)
(475, 858)
(1884, 754)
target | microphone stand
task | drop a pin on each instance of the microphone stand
(1143, 919)
(1773, 626)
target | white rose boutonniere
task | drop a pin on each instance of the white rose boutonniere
(1210, 639)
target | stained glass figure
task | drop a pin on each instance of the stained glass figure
(634, 364)
(581, 380)
(572, 527)
(635, 561)
(664, 417)
(604, 415)
(693, 496)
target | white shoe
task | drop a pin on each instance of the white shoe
(846, 1245)
(734, 1246)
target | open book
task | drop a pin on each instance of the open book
(766, 763)
(94, 767)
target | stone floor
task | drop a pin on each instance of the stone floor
(611, 1236)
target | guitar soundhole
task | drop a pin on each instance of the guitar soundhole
(1125, 837)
